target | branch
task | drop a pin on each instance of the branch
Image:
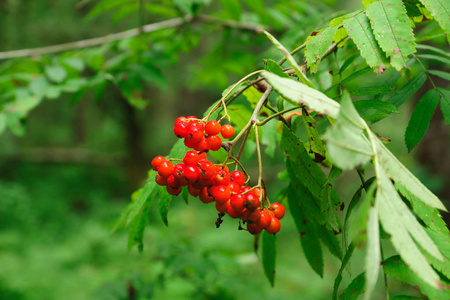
(175, 22)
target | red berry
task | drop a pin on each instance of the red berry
(222, 206)
(174, 190)
(173, 182)
(191, 117)
(234, 188)
(192, 173)
(237, 177)
(222, 177)
(253, 216)
(160, 180)
(215, 142)
(195, 135)
(205, 197)
(157, 161)
(181, 129)
(165, 168)
(202, 155)
(237, 201)
(212, 128)
(193, 190)
(265, 219)
(180, 119)
(253, 228)
(221, 193)
(251, 202)
(227, 131)
(274, 226)
(191, 158)
(206, 181)
(232, 212)
(207, 168)
(178, 171)
(278, 210)
(204, 145)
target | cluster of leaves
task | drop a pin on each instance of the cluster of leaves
(393, 204)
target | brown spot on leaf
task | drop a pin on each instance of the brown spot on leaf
(396, 51)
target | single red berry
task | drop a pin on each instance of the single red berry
(221, 193)
(215, 142)
(160, 180)
(278, 210)
(274, 226)
(191, 173)
(165, 168)
(227, 131)
(222, 206)
(181, 129)
(237, 177)
(174, 190)
(212, 128)
(253, 228)
(192, 118)
(178, 171)
(180, 119)
(253, 216)
(202, 155)
(251, 202)
(193, 190)
(173, 182)
(195, 135)
(265, 219)
(204, 145)
(232, 212)
(222, 177)
(206, 181)
(237, 201)
(157, 161)
(245, 189)
(207, 168)
(191, 158)
(205, 197)
(234, 188)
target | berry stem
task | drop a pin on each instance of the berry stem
(258, 151)
(263, 122)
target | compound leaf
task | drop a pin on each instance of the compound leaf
(439, 9)
(354, 289)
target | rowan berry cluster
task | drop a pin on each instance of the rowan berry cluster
(215, 183)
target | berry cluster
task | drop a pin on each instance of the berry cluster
(201, 136)
(215, 183)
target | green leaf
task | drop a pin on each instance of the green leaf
(338, 279)
(354, 289)
(136, 228)
(185, 195)
(392, 30)
(317, 46)
(38, 86)
(359, 30)
(143, 199)
(233, 8)
(55, 73)
(439, 9)
(398, 221)
(302, 94)
(330, 240)
(347, 146)
(385, 107)
(395, 169)
(316, 145)
(373, 254)
(2, 122)
(257, 6)
(73, 62)
(178, 150)
(444, 60)
(442, 74)
(445, 104)
(269, 254)
(239, 114)
(421, 118)
(164, 203)
(402, 95)
(371, 90)
(290, 59)
(398, 269)
(273, 67)
(434, 49)
(252, 95)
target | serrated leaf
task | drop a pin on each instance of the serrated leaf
(330, 240)
(273, 67)
(439, 9)
(136, 228)
(359, 30)
(164, 203)
(373, 254)
(55, 73)
(445, 104)
(392, 30)
(402, 95)
(302, 94)
(347, 146)
(317, 46)
(142, 199)
(442, 74)
(338, 279)
(397, 268)
(370, 91)
(354, 289)
(269, 254)
(290, 59)
(400, 223)
(316, 145)
(382, 106)
(421, 118)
